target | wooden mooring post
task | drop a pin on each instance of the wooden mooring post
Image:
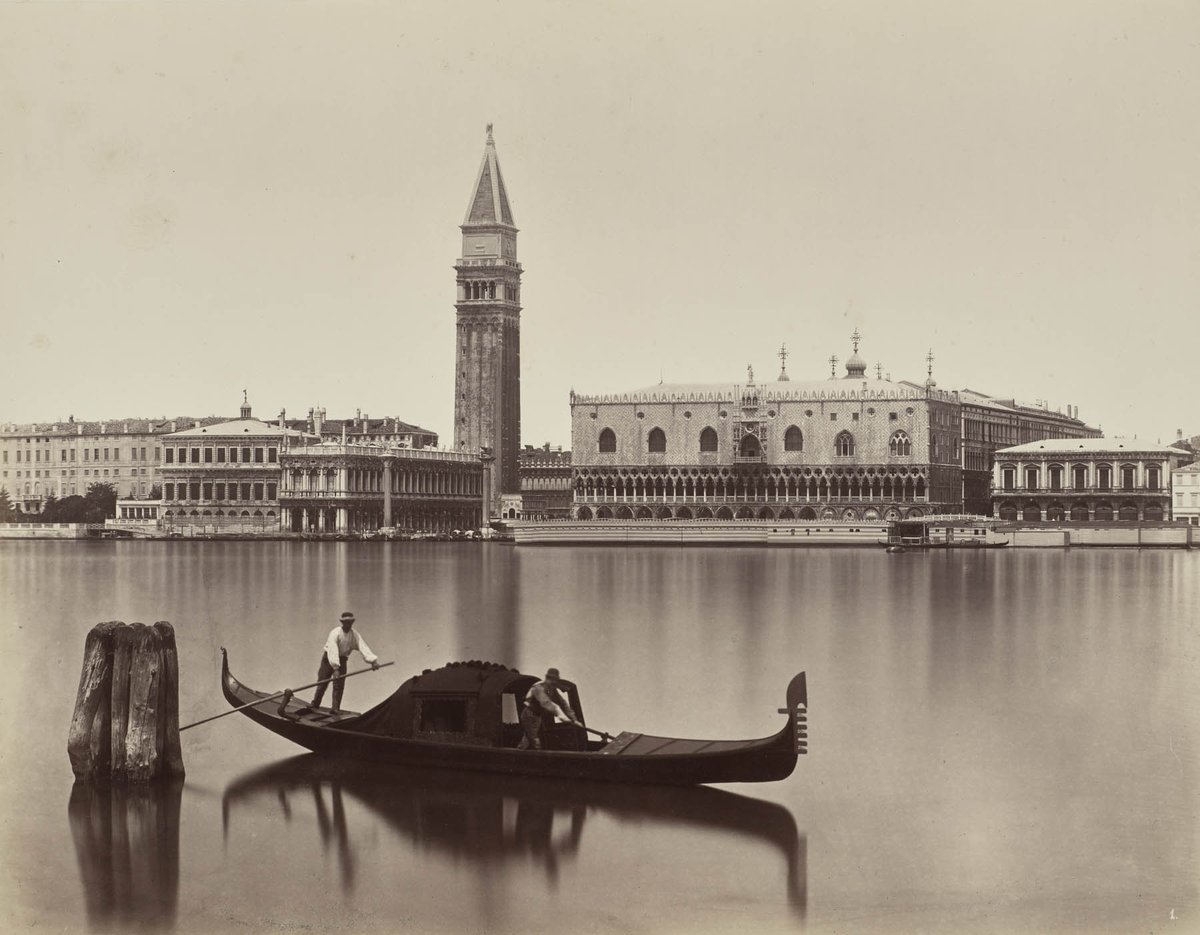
(126, 721)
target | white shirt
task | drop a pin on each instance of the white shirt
(343, 643)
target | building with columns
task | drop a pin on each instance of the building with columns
(989, 424)
(1084, 480)
(223, 479)
(850, 448)
(335, 489)
(546, 489)
(487, 386)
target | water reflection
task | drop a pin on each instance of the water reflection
(127, 843)
(488, 821)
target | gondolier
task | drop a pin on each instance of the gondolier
(543, 704)
(342, 641)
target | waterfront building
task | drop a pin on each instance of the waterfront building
(850, 448)
(223, 479)
(336, 489)
(546, 489)
(1084, 480)
(487, 386)
(65, 458)
(389, 432)
(989, 424)
(1185, 493)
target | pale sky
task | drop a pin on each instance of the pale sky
(200, 197)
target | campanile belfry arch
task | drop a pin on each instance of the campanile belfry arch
(487, 385)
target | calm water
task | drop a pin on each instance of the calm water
(1000, 742)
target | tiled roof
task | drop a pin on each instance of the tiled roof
(252, 427)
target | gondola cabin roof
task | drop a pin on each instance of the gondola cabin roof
(461, 702)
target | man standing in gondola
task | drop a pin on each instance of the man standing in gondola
(543, 704)
(343, 640)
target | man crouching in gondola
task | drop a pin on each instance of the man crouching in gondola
(543, 704)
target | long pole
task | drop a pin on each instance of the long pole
(251, 704)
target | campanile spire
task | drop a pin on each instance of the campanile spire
(487, 390)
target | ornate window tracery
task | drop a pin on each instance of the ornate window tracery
(900, 444)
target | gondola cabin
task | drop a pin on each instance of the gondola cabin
(471, 703)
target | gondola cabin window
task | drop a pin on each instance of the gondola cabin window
(440, 717)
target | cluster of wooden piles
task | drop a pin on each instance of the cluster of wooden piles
(126, 722)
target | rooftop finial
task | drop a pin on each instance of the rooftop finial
(833, 365)
(929, 362)
(749, 374)
(489, 133)
(879, 371)
(783, 356)
(855, 338)
(245, 397)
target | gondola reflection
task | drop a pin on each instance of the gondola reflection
(127, 842)
(487, 819)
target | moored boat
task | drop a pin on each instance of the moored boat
(465, 715)
(944, 532)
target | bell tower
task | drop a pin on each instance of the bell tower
(487, 384)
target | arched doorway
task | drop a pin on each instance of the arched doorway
(1055, 512)
(1008, 511)
(1152, 512)
(1079, 513)
(1128, 513)
(1103, 512)
(1031, 513)
(584, 513)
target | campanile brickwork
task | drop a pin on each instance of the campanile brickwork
(487, 386)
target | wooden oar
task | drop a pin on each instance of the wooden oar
(599, 733)
(286, 691)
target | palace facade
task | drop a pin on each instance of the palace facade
(337, 489)
(990, 424)
(1084, 480)
(223, 479)
(850, 448)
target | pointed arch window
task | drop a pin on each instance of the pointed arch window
(793, 439)
(657, 441)
(708, 439)
(608, 441)
(900, 444)
(843, 445)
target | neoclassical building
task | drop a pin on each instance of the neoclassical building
(849, 448)
(345, 489)
(1084, 480)
(223, 479)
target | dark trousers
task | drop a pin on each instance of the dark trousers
(327, 671)
(531, 726)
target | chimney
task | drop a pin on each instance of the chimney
(124, 428)
(358, 413)
(196, 424)
(1179, 435)
(79, 429)
(318, 419)
(282, 419)
(173, 423)
(103, 428)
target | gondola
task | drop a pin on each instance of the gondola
(464, 716)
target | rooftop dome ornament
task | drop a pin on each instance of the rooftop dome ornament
(783, 356)
(879, 371)
(833, 366)
(856, 367)
(929, 380)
